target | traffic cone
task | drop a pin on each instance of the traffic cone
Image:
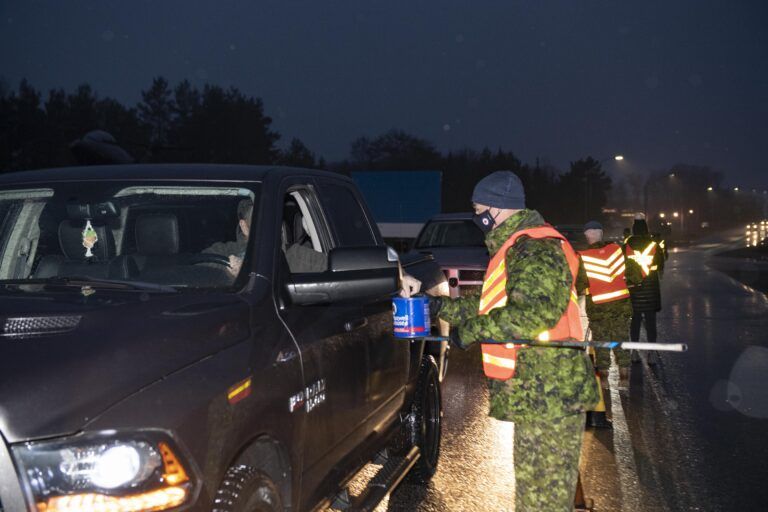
(596, 418)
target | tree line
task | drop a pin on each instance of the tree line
(212, 124)
(170, 124)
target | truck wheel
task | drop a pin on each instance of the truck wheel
(245, 489)
(425, 422)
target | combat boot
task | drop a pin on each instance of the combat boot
(598, 419)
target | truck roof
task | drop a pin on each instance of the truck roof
(203, 172)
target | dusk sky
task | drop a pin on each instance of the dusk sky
(661, 82)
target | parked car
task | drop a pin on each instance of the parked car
(202, 337)
(574, 233)
(458, 246)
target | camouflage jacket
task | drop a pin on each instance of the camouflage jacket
(550, 382)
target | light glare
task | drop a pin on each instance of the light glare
(116, 467)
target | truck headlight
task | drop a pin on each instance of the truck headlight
(120, 473)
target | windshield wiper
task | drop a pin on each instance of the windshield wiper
(82, 281)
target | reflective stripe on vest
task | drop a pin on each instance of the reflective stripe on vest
(643, 258)
(500, 361)
(605, 267)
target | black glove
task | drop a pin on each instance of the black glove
(435, 305)
(454, 338)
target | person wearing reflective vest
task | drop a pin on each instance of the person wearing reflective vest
(645, 262)
(528, 293)
(602, 281)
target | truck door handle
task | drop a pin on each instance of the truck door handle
(358, 323)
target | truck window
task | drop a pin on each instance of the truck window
(301, 241)
(346, 214)
(184, 235)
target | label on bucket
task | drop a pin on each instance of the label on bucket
(411, 317)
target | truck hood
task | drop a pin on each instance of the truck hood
(464, 257)
(76, 356)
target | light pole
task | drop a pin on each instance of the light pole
(587, 187)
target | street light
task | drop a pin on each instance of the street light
(735, 189)
(690, 211)
(710, 189)
(662, 215)
(619, 158)
(675, 215)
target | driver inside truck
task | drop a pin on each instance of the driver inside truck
(235, 250)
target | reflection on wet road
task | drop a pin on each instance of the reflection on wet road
(698, 421)
(693, 431)
(475, 471)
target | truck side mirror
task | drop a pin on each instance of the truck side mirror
(354, 274)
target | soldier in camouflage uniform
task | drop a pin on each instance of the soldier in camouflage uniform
(608, 321)
(553, 387)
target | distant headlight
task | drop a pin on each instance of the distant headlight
(120, 473)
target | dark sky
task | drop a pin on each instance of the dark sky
(661, 82)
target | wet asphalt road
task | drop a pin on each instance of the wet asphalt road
(691, 432)
(699, 421)
(475, 470)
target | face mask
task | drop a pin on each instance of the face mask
(485, 221)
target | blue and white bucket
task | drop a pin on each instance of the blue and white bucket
(411, 317)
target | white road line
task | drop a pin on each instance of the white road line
(622, 443)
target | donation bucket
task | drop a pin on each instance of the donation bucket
(411, 317)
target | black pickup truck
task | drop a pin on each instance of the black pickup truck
(197, 337)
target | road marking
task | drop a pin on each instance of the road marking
(622, 443)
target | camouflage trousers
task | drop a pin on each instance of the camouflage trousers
(610, 322)
(547, 463)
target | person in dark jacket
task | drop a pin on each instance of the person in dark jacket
(235, 250)
(645, 262)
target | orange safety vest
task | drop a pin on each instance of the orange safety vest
(499, 361)
(605, 268)
(644, 258)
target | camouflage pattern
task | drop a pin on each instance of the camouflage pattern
(608, 321)
(550, 383)
(547, 463)
(552, 387)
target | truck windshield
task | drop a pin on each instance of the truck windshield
(453, 233)
(171, 234)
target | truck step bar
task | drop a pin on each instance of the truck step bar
(381, 485)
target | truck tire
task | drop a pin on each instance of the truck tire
(245, 489)
(426, 421)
